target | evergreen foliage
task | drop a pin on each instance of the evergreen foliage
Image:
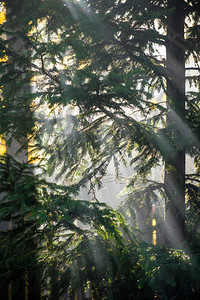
(78, 78)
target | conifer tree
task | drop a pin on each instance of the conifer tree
(113, 70)
(100, 59)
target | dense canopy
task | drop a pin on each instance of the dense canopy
(86, 85)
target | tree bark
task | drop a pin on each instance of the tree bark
(175, 162)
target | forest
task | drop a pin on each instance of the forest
(99, 149)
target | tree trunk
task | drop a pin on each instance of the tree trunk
(175, 161)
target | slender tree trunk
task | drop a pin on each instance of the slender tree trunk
(175, 162)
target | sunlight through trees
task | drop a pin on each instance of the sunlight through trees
(94, 92)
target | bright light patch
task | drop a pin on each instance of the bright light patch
(153, 222)
(154, 237)
(2, 13)
(33, 155)
(153, 105)
(2, 146)
(4, 58)
(154, 234)
(164, 98)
